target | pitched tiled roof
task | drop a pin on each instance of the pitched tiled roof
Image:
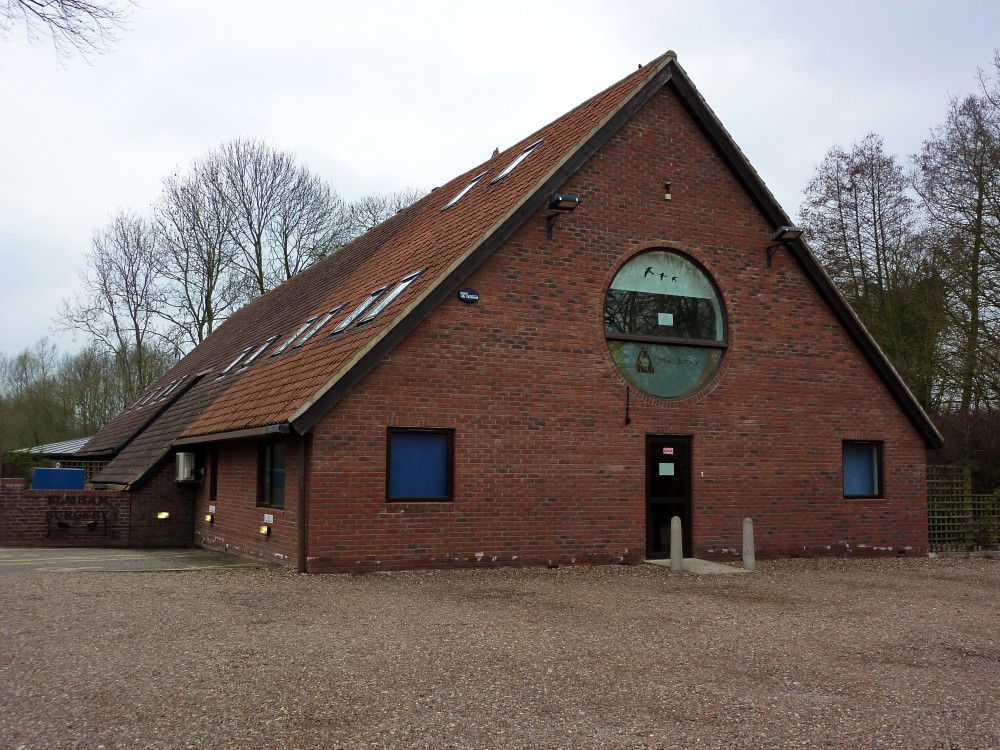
(293, 389)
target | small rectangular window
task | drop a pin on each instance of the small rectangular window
(419, 464)
(388, 298)
(357, 312)
(862, 469)
(520, 157)
(466, 189)
(272, 474)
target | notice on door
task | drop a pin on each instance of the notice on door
(668, 451)
(666, 470)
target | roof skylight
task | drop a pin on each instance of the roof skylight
(323, 321)
(294, 336)
(172, 387)
(145, 399)
(257, 352)
(388, 298)
(466, 189)
(356, 313)
(235, 362)
(520, 157)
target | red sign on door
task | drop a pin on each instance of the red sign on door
(668, 451)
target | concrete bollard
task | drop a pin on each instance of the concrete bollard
(749, 558)
(676, 545)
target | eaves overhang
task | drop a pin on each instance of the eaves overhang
(272, 430)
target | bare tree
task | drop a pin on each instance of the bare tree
(201, 283)
(89, 392)
(118, 307)
(28, 386)
(371, 210)
(863, 223)
(82, 26)
(45, 397)
(958, 180)
(283, 217)
(308, 224)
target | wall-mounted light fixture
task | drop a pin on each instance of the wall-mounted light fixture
(209, 518)
(162, 515)
(265, 530)
(667, 194)
(782, 237)
(560, 203)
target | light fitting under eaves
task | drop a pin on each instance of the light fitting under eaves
(561, 203)
(782, 237)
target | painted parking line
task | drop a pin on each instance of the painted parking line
(54, 560)
(105, 569)
(17, 560)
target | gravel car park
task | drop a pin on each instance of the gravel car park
(881, 653)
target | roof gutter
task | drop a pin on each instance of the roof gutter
(252, 432)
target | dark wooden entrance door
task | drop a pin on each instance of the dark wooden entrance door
(668, 491)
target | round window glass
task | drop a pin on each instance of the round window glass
(664, 324)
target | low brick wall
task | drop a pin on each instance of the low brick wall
(72, 518)
(95, 518)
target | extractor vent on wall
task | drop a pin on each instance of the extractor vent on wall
(185, 467)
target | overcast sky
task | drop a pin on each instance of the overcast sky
(378, 96)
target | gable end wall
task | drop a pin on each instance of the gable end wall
(546, 470)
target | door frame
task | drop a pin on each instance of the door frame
(656, 506)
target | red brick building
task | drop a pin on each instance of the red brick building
(490, 377)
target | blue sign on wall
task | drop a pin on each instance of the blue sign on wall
(58, 479)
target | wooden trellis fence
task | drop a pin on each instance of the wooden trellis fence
(957, 520)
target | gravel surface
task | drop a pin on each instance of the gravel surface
(832, 654)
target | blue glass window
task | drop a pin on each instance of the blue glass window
(862, 469)
(419, 464)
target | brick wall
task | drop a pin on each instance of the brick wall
(97, 518)
(237, 519)
(162, 494)
(546, 470)
(72, 518)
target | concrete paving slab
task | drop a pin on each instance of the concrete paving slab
(701, 567)
(75, 559)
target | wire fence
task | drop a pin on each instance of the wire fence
(957, 519)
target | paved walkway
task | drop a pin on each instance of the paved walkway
(702, 567)
(65, 560)
(75, 559)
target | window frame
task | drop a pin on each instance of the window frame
(235, 362)
(449, 495)
(878, 453)
(720, 344)
(266, 474)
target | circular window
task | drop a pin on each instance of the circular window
(664, 323)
